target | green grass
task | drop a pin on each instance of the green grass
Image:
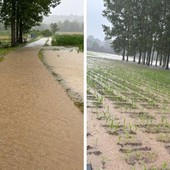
(1, 59)
(4, 33)
(40, 54)
(130, 83)
(75, 40)
(4, 51)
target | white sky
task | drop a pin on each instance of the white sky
(67, 7)
(95, 18)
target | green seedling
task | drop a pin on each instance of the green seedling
(164, 166)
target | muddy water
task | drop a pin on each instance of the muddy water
(40, 127)
(69, 65)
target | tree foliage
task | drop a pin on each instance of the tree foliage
(94, 44)
(54, 28)
(22, 15)
(140, 28)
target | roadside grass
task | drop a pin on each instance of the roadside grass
(4, 33)
(4, 51)
(1, 59)
(40, 54)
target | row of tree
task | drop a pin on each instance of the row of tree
(22, 15)
(140, 28)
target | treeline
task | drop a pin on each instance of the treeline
(140, 28)
(65, 26)
(70, 26)
(22, 15)
(57, 18)
(94, 44)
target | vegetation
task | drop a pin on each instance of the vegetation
(4, 51)
(21, 16)
(70, 26)
(1, 59)
(140, 28)
(46, 33)
(132, 103)
(64, 26)
(69, 40)
(94, 44)
(54, 28)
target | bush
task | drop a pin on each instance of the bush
(46, 33)
(76, 40)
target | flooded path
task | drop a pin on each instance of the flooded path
(40, 127)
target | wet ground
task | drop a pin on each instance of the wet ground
(40, 127)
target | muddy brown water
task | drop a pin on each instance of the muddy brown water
(40, 127)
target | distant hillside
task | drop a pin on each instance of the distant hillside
(61, 18)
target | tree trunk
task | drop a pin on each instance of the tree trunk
(157, 59)
(17, 23)
(134, 58)
(13, 39)
(144, 57)
(20, 32)
(140, 54)
(160, 62)
(127, 57)
(123, 56)
(164, 61)
(167, 62)
(149, 56)
(153, 51)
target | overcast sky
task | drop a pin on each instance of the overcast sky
(68, 7)
(95, 18)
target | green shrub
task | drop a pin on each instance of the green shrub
(68, 40)
(46, 33)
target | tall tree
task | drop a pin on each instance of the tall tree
(54, 28)
(22, 15)
(139, 27)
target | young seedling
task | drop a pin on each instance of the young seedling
(119, 139)
(103, 162)
(96, 143)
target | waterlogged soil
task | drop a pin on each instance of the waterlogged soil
(40, 127)
(66, 64)
(124, 133)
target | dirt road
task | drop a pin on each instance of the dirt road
(40, 127)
